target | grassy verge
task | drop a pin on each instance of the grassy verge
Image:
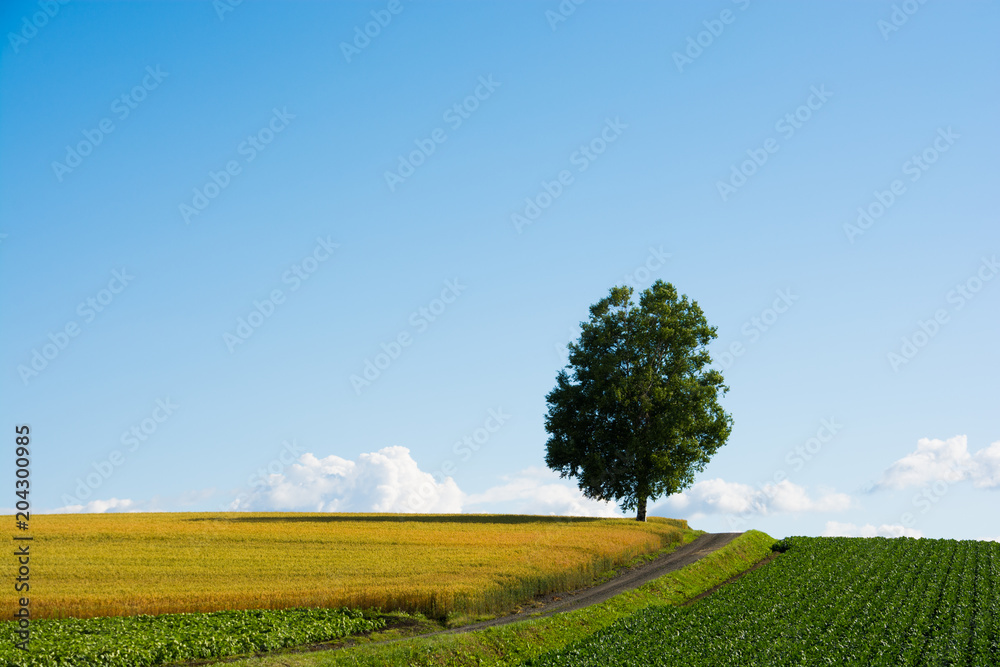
(515, 643)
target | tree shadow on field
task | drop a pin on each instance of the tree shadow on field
(400, 518)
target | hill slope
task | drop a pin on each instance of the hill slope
(826, 601)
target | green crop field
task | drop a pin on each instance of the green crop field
(149, 641)
(825, 601)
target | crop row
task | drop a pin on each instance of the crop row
(145, 641)
(826, 601)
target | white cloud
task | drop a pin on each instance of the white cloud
(717, 496)
(990, 539)
(837, 529)
(388, 480)
(944, 461)
(986, 472)
(100, 507)
(539, 491)
(933, 460)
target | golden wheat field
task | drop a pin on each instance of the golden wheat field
(124, 564)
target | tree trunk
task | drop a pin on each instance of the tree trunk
(641, 513)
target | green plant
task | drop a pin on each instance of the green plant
(146, 641)
(781, 546)
(829, 601)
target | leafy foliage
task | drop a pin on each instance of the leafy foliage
(637, 414)
(827, 601)
(144, 641)
(781, 546)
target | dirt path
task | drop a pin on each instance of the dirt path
(631, 578)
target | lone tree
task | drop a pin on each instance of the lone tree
(637, 414)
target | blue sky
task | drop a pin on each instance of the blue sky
(452, 191)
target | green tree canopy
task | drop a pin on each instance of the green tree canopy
(635, 413)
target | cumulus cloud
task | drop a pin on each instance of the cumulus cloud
(933, 460)
(388, 480)
(717, 496)
(837, 529)
(100, 507)
(986, 471)
(944, 461)
(539, 491)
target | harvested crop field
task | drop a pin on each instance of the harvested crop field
(125, 564)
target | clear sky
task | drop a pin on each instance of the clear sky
(328, 255)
